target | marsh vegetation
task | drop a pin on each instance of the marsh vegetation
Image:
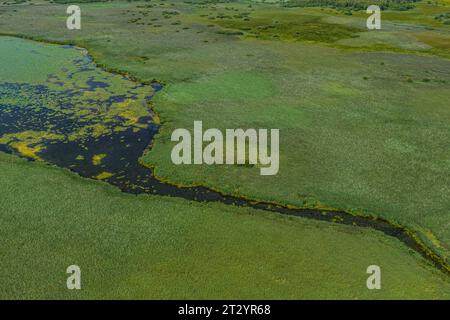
(363, 120)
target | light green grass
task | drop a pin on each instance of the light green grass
(166, 248)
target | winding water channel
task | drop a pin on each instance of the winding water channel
(77, 116)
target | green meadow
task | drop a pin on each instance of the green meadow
(166, 248)
(363, 118)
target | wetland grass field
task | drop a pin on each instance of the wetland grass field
(87, 117)
(168, 248)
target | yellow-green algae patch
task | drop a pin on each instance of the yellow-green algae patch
(28, 143)
(104, 175)
(97, 159)
(27, 150)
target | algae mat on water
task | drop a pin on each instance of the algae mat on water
(52, 95)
